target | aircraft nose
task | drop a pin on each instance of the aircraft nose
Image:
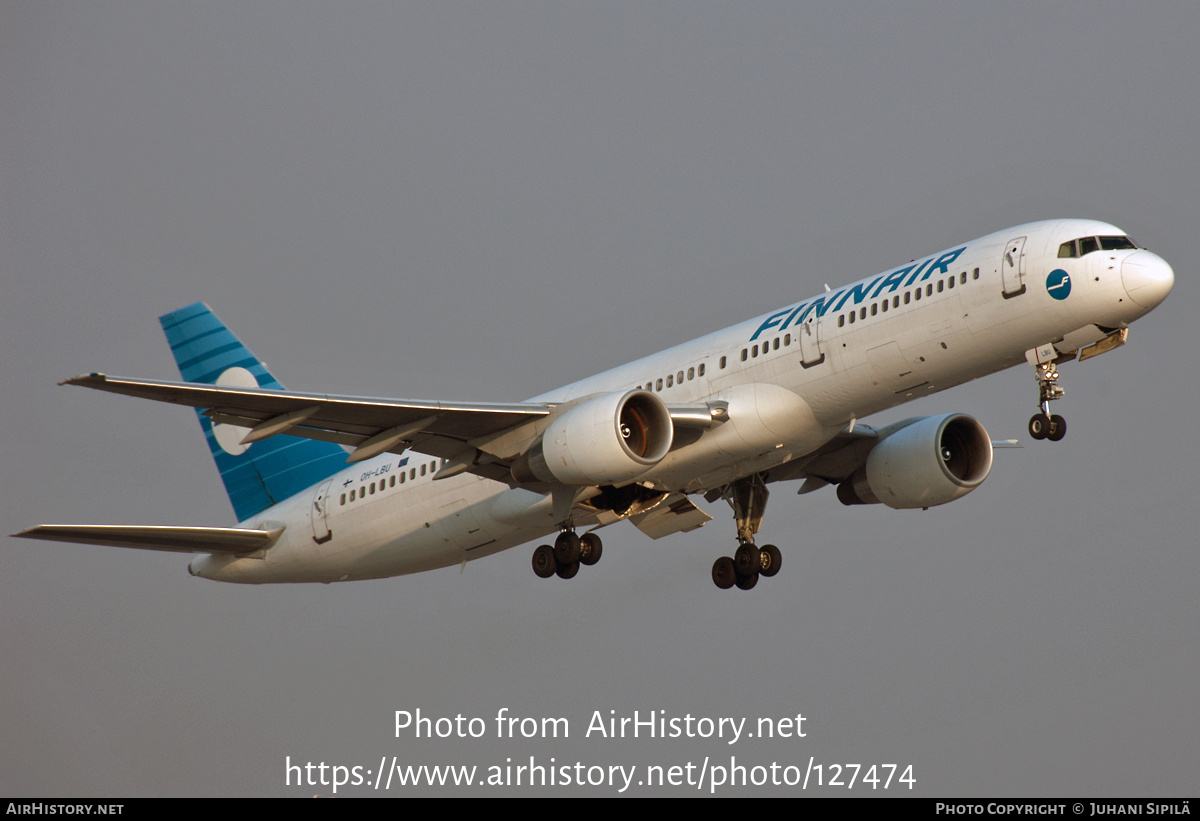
(1147, 278)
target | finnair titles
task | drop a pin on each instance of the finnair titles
(860, 291)
(339, 488)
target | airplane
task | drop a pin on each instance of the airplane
(338, 488)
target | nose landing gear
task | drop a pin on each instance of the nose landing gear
(1043, 425)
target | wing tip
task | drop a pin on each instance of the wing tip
(85, 379)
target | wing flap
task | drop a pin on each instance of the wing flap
(676, 515)
(228, 540)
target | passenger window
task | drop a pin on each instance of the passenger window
(722, 363)
(679, 377)
(950, 282)
(343, 499)
(962, 279)
(976, 274)
(940, 287)
(412, 473)
(745, 354)
(929, 289)
(372, 488)
(884, 306)
(787, 340)
(874, 309)
(402, 475)
(352, 495)
(691, 374)
(853, 314)
(392, 481)
(907, 297)
(422, 468)
(754, 351)
(670, 380)
(896, 301)
(841, 320)
(701, 369)
(658, 385)
(863, 313)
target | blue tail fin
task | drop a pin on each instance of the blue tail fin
(262, 474)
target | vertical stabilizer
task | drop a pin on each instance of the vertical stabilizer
(264, 473)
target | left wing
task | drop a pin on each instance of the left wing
(466, 434)
(369, 425)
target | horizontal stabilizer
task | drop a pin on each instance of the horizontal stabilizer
(229, 540)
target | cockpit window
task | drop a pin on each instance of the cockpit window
(1085, 245)
(1116, 243)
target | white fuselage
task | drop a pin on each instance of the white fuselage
(793, 378)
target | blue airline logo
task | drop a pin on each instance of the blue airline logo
(860, 291)
(1058, 284)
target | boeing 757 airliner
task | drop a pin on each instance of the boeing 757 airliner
(337, 488)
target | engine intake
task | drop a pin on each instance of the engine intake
(607, 440)
(930, 462)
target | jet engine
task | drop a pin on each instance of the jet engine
(932, 461)
(607, 440)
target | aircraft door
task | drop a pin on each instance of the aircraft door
(810, 341)
(1012, 267)
(319, 513)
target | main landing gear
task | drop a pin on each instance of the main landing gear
(748, 497)
(567, 554)
(1043, 425)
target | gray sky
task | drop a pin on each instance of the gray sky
(484, 201)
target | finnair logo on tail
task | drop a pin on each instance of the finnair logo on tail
(1058, 284)
(229, 437)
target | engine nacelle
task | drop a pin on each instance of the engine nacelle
(930, 462)
(608, 440)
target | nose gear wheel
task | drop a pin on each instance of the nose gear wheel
(1043, 425)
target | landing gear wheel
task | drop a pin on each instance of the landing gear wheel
(544, 564)
(590, 548)
(1058, 428)
(747, 582)
(566, 549)
(747, 559)
(771, 560)
(723, 573)
(1039, 426)
(567, 571)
